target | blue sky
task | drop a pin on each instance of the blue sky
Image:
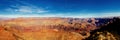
(59, 8)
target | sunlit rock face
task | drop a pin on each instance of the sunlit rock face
(57, 29)
(103, 36)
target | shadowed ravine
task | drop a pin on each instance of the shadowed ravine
(112, 30)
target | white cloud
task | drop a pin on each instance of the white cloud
(40, 11)
(111, 14)
(64, 15)
(15, 16)
(29, 8)
(25, 9)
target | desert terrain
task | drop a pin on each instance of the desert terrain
(55, 28)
